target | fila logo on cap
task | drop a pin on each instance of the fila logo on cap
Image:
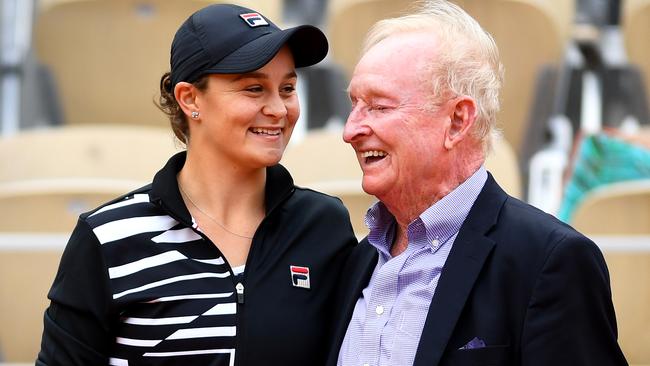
(253, 19)
(299, 276)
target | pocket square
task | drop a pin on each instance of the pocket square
(474, 343)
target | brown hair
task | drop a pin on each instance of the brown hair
(168, 104)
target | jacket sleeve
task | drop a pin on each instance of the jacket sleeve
(77, 323)
(570, 319)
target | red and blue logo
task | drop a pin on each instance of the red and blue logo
(254, 19)
(300, 276)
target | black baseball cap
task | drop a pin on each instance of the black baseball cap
(230, 39)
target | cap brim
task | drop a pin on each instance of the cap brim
(307, 43)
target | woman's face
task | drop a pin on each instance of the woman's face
(246, 120)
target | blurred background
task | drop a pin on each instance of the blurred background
(78, 126)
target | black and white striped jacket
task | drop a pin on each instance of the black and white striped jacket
(139, 285)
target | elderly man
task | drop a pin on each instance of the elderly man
(455, 271)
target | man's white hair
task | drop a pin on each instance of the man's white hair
(467, 64)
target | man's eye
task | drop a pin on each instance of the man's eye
(254, 89)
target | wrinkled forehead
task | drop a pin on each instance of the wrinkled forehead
(403, 52)
(400, 59)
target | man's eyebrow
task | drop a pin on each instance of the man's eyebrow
(261, 75)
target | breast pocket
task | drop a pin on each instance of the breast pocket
(485, 356)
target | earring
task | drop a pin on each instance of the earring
(195, 114)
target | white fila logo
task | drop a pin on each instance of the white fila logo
(300, 276)
(253, 19)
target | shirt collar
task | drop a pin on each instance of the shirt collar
(435, 225)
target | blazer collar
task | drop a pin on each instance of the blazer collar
(461, 270)
(459, 274)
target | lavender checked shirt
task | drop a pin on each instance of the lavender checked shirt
(389, 316)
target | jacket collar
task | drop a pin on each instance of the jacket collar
(165, 192)
(459, 274)
(465, 261)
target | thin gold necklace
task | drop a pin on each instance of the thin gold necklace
(209, 216)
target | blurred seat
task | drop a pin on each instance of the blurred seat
(502, 163)
(49, 176)
(617, 208)
(636, 27)
(322, 161)
(631, 296)
(107, 56)
(542, 28)
(270, 8)
(348, 21)
(89, 151)
(53, 205)
(623, 210)
(26, 275)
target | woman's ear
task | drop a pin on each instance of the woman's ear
(186, 95)
(463, 114)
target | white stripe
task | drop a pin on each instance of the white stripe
(177, 236)
(189, 353)
(171, 280)
(190, 297)
(137, 198)
(204, 332)
(222, 309)
(137, 342)
(124, 228)
(160, 321)
(216, 261)
(117, 362)
(144, 263)
(239, 269)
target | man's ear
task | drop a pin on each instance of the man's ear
(462, 117)
(186, 95)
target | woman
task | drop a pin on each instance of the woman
(221, 260)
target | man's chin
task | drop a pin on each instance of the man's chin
(373, 186)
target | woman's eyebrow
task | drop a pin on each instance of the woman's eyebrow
(261, 75)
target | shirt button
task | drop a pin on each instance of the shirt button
(435, 243)
(379, 309)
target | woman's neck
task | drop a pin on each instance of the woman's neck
(224, 191)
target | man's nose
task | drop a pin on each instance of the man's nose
(356, 126)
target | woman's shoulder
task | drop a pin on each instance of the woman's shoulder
(312, 196)
(125, 205)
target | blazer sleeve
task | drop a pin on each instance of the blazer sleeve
(570, 319)
(77, 323)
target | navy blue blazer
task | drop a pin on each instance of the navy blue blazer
(531, 287)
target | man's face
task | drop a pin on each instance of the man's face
(398, 140)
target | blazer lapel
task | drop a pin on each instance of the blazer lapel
(358, 270)
(460, 272)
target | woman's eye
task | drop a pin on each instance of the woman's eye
(289, 88)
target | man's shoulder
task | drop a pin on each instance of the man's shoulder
(524, 230)
(524, 216)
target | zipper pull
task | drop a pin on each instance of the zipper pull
(240, 292)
